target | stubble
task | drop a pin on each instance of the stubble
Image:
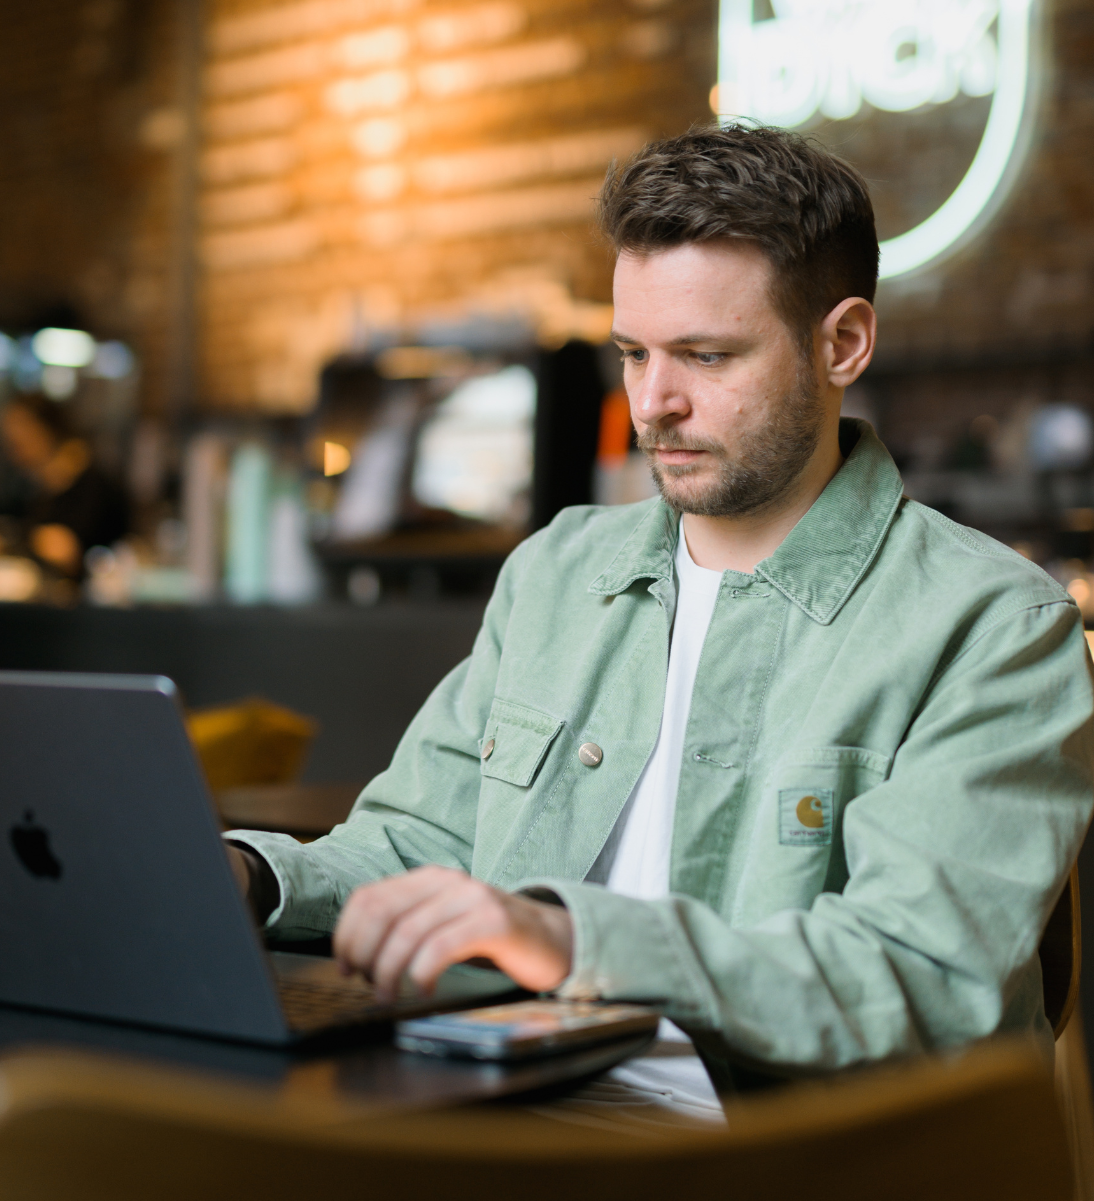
(752, 473)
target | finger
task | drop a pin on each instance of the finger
(371, 910)
(529, 941)
(406, 935)
(460, 939)
(362, 924)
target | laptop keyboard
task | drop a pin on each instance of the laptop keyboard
(312, 1006)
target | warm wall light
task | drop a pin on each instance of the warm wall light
(20, 578)
(342, 136)
(826, 57)
(336, 458)
(515, 162)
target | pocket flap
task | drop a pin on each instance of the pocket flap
(521, 738)
(871, 763)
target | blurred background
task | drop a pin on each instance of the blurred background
(303, 316)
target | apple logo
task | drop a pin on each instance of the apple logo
(31, 844)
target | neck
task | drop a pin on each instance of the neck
(739, 543)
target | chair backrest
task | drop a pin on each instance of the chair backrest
(980, 1126)
(1061, 956)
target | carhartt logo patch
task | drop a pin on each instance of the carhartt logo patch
(805, 816)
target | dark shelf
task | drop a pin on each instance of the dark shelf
(436, 547)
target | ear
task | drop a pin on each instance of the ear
(847, 339)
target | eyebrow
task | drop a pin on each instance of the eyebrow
(686, 340)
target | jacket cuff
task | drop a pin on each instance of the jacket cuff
(307, 907)
(625, 950)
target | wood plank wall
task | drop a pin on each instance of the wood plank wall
(377, 163)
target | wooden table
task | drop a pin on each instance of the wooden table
(303, 810)
(369, 1077)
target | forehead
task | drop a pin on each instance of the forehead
(709, 283)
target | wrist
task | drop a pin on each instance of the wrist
(557, 934)
(256, 880)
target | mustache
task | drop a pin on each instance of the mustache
(670, 438)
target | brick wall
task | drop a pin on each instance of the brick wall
(378, 163)
(1024, 289)
(383, 164)
(1006, 325)
(87, 131)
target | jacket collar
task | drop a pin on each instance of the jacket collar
(822, 559)
(647, 553)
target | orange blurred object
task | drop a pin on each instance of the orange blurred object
(251, 742)
(615, 428)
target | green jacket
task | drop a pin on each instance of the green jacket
(886, 776)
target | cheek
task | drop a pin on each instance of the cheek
(738, 406)
(726, 405)
(756, 393)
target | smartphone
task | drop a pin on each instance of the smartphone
(522, 1029)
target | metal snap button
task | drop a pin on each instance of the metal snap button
(488, 749)
(590, 754)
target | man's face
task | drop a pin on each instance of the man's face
(726, 406)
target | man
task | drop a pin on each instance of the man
(793, 756)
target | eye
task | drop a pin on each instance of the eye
(708, 358)
(635, 356)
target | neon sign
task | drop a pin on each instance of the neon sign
(827, 58)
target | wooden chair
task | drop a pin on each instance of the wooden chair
(1061, 956)
(1060, 953)
(980, 1126)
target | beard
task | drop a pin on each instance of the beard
(760, 467)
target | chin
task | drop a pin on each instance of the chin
(683, 494)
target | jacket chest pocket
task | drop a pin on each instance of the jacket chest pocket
(812, 786)
(797, 843)
(516, 741)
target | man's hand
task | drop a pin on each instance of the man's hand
(432, 917)
(238, 861)
(255, 879)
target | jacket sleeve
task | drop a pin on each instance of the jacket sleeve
(421, 810)
(955, 862)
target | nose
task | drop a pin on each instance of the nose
(660, 394)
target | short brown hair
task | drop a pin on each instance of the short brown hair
(808, 211)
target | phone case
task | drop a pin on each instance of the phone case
(523, 1028)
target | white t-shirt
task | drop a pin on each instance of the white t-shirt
(636, 859)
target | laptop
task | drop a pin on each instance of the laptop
(117, 900)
